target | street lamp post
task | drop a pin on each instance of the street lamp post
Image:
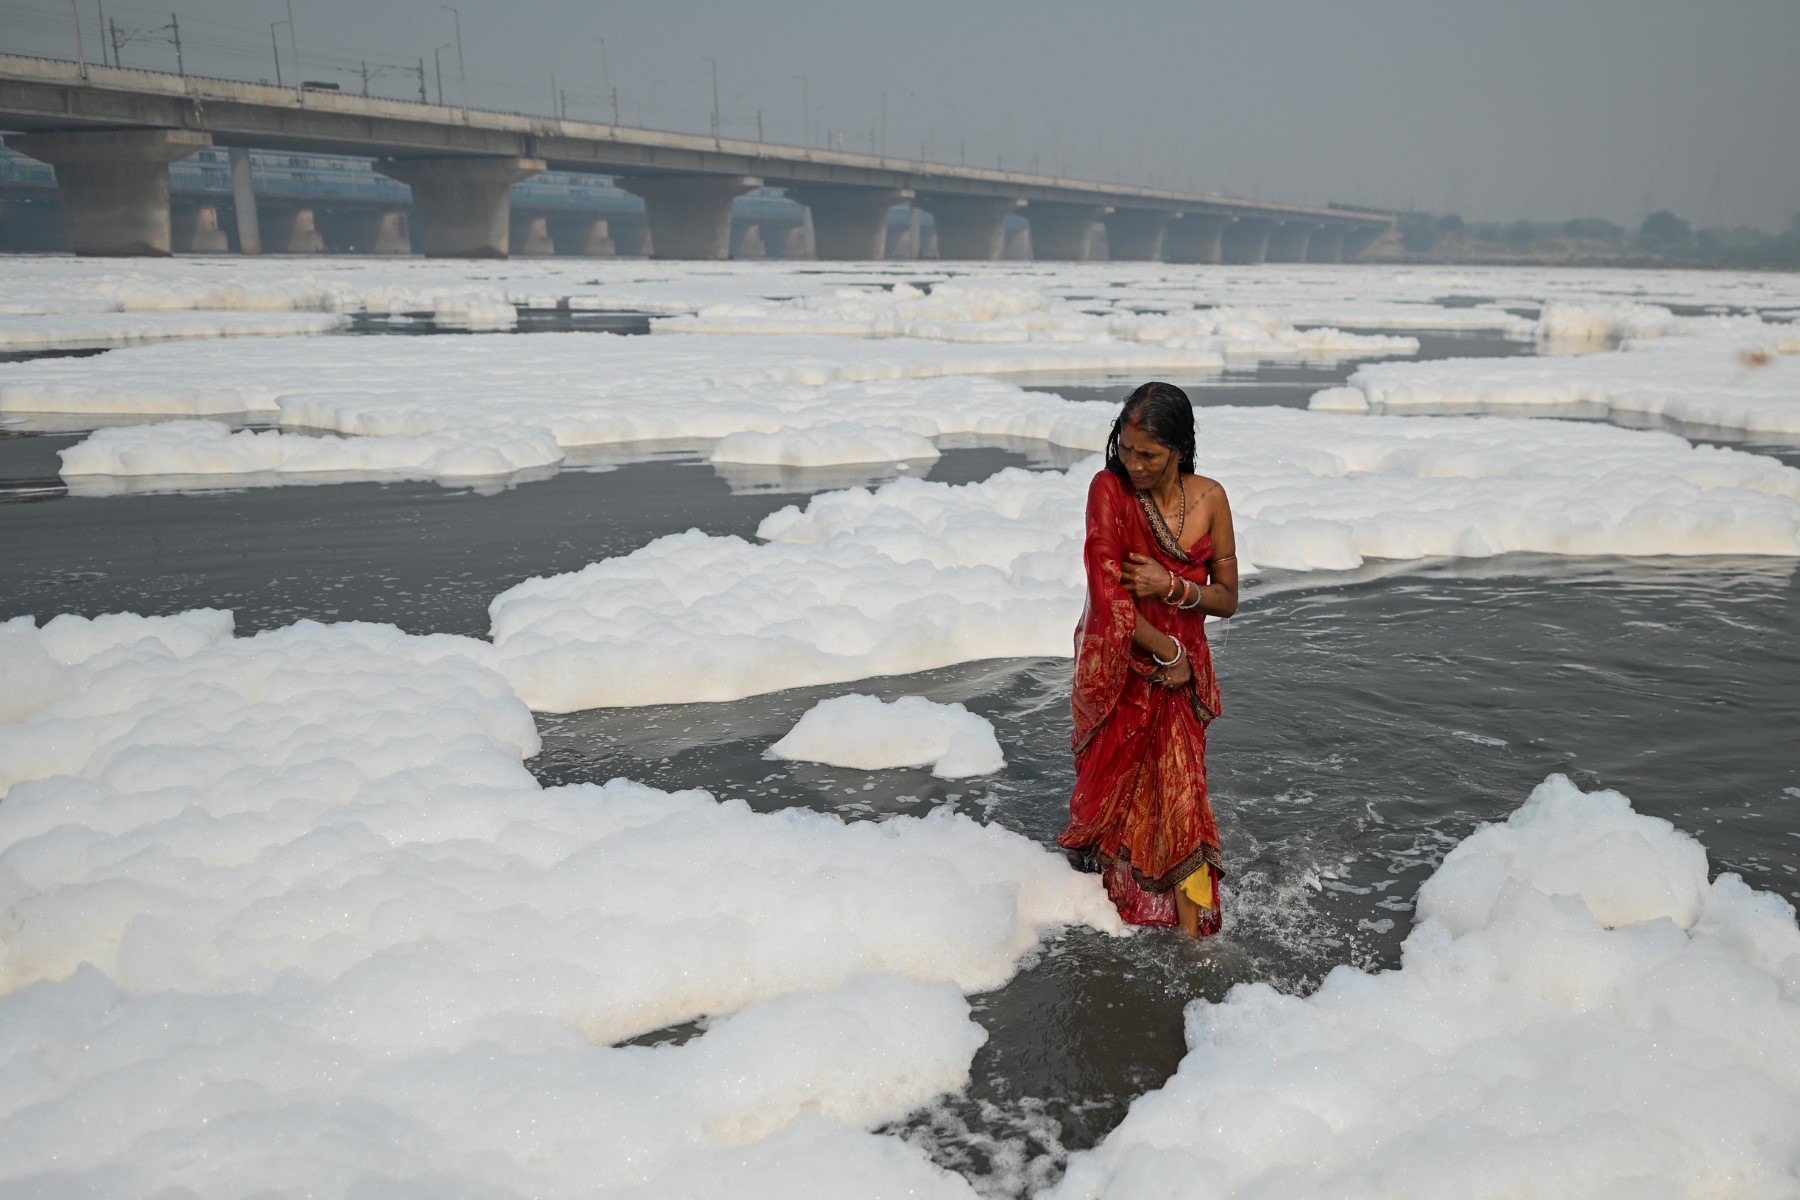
(606, 86)
(437, 62)
(462, 74)
(806, 106)
(715, 115)
(294, 53)
(275, 49)
(80, 54)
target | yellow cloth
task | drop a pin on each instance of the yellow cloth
(1198, 887)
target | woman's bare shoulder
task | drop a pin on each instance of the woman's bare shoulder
(1206, 490)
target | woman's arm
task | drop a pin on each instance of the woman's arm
(1219, 598)
(1144, 576)
(1163, 647)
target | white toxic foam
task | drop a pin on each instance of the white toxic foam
(209, 448)
(586, 388)
(51, 332)
(959, 311)
(866, 733)
(1564, 322)
(1579, 1013)
(824, 445)
(1743, 377)
(920, 575)
(315, 928)
(1373, 296)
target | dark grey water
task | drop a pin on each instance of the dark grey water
(1373, 720)
(416, 555)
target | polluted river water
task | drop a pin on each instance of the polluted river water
(1375, 717)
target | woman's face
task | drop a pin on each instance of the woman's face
(1147, 461)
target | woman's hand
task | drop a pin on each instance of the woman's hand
(1178, 675)
(1143, 576)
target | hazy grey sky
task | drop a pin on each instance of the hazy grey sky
(1497, 110)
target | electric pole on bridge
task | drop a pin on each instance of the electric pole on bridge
(462, 73)
(80, 54)
(437, 62)
(715, 115)
(606, 87)
(275, 49)
(294, 46)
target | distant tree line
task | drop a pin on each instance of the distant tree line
(1663, 239)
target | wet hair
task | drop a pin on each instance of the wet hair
(1163, 411)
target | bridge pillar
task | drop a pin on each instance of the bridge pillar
(114, 184)
(1360, 239)
(389, 233)
(747, 241)
(970, 227)
(294, 229)
(1063, 232)
(690, 215)
(1136, 234)
(194, 229)
(243, 203)
(1246, 240)
(1289, 240)
(579, 235)
(464, 205)
(1327, 245)
(528, 235)
(903, 240)
(795, 243)
(1197, 238)
(631, 235)
(364, 231)
(849, 223)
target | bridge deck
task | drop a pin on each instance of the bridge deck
(44, 95)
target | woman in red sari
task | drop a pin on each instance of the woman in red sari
(1160, 556)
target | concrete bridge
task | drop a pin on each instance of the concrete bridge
(111, 134)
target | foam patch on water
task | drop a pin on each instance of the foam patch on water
(313, 927)
(209, 448)
(1579, 1013)
(1745, 377)
(51, 332)
(587, 388)
(869, 734)
(191, 293)
(824, 445)
(1564, 322)
(920, 575)
(1355, 296)
(961, 311)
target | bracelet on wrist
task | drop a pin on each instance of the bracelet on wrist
(1187, 605)
(1174, 582)
(1169, 662)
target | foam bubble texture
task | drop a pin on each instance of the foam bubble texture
(286, 915)
(869, 734)
(1578, 1014)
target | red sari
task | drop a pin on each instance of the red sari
(1141, 807)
